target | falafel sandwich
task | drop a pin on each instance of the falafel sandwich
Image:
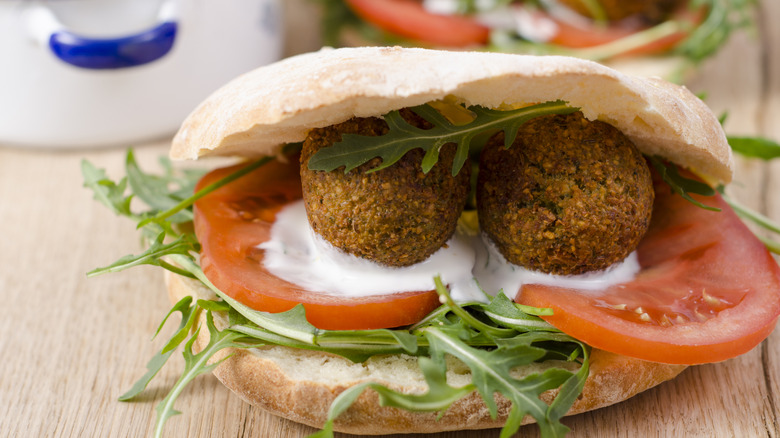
(416, 241)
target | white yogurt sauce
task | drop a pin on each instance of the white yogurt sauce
(296, 254)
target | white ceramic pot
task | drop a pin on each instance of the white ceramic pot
(89, 73)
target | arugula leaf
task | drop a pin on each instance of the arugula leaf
(491, 372)
(195, 365)
(152, 189)
(107, 192)
(466, 317)
(187, 203)
(153, 256)
(723, 18)
(487, 380)
(158, 360)
(681, 185)
(214, 306)
(504, 311)
(402, 340)
(570, 390)
(439, 397)
(354, 150)
(755, 147)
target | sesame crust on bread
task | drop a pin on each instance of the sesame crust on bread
(258, 112)
(300, 385)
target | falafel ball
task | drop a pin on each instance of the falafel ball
(568, 197)
(649, 11)
(397, 216)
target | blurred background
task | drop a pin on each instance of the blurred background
(87, 73)
(88, 79)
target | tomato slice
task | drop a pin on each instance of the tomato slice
(231, 221)
(708, 290)
(409, 19)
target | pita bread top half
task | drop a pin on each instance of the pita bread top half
(258, 112)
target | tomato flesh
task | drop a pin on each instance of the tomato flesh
(708, 290)
(231, 221)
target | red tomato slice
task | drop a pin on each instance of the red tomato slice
(231, 221)
(408, 18)
(708, 290)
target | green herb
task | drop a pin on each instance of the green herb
(491, 373)
(748, 146)
(723, 18)
(154, 255)
(681, 185)
(439, 397)
(107, 192)
(755, 147)
(156, 363)
(195, 365)
(354, 150)
(185, 204)
(490, 338)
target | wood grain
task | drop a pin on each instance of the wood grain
(72, 345)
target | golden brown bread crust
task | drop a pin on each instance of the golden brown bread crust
(300, 385)
(277, 104)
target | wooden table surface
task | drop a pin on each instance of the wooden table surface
(71, 345)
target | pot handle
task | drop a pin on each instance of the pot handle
(105, 53)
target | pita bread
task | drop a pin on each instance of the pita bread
(255, 114)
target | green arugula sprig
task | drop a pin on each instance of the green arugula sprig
(491, 338)
(722, 19)
(748, 146)
(195, 365)
(354, 150)
(187, 310)
(491, 372)
(755, 147)
(681, 185)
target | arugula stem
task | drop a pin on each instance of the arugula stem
(753, 216)
(176, 270)
(757, 218)
(466, 316)
(200, 365)
(771, 245)
(255, 316)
